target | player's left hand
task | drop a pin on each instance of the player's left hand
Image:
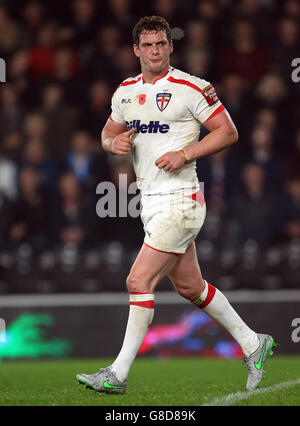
(170, 161)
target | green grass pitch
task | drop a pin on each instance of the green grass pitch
(172, 382)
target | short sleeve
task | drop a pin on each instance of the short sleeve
(205, 103)
(116, 114)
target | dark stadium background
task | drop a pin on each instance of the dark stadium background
(64, 59)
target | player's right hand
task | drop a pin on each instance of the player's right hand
(122, 143)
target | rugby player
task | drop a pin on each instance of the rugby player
(156, 117)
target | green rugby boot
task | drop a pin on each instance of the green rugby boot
(255, 362)
(102, 381)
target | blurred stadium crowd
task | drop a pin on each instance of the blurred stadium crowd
(65, 59)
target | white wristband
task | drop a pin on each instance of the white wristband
(111, 147)
(187, 157)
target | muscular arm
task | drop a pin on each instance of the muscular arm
(222, 134)
(110, 131)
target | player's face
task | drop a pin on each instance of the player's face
(153, 51)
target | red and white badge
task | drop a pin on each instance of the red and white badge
(210, 95)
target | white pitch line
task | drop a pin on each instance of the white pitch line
(232, 398)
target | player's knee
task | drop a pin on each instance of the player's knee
(131, 284)
(136, 284)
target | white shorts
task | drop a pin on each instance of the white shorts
(172, 221)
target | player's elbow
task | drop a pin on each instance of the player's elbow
(235, 136)
(102, 138)
(232, 136)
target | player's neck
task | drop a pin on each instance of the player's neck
(150, 77)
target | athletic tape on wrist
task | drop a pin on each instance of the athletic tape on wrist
(187, 157)
(182, 154)
(111, 146)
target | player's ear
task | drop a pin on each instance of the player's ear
(171, 47)
(136, 50)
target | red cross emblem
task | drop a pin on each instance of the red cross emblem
(162, 100)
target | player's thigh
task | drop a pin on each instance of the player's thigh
(172, 223)
(148, 269)
(186, 274)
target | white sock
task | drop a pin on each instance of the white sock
(140, 317)
(216, 305)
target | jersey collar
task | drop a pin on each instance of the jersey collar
(159, 78)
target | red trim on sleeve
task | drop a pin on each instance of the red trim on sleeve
(111, 118)
(217, 111)
(185, 82)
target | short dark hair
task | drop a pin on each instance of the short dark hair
(151, 23)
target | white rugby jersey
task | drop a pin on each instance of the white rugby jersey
(167, 116)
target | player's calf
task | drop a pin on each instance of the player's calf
(191, 291)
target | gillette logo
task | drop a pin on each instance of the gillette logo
(152, 127)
